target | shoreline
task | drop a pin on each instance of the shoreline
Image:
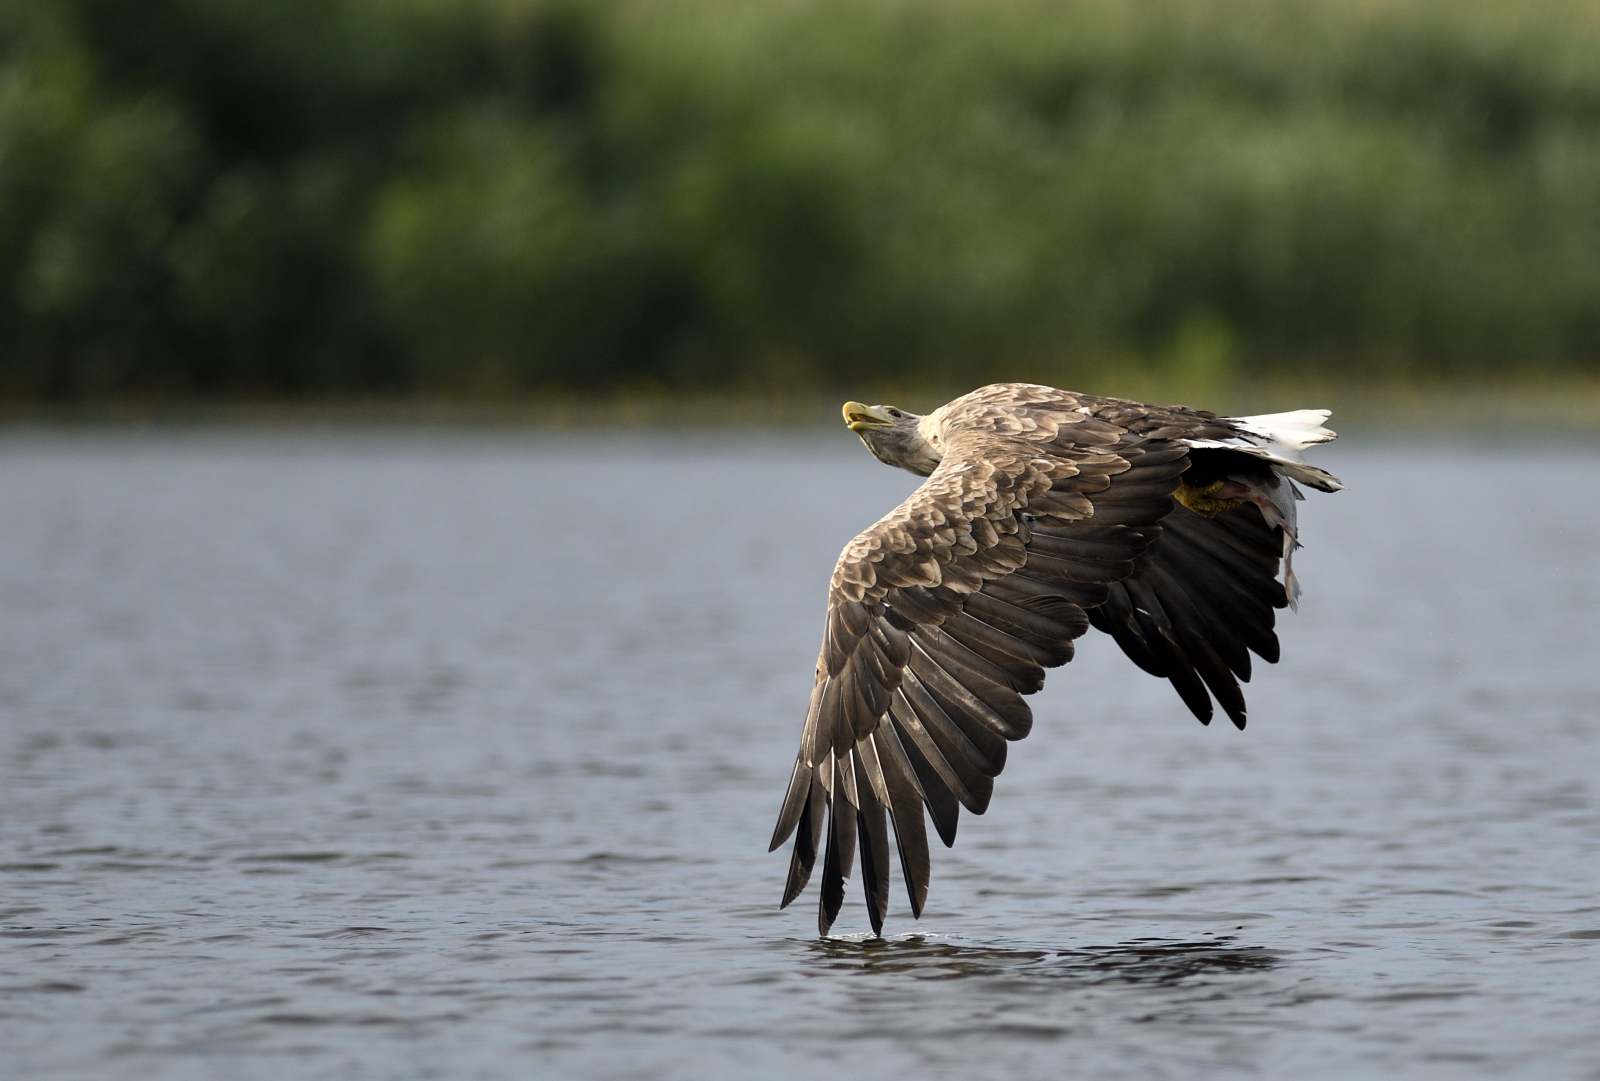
(1545, 407)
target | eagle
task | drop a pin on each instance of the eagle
(1044, 513)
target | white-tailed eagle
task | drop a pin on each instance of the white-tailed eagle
(1044, 513)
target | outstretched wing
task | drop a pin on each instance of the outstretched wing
(1206, 594)
(1203, 599)
(945, 613)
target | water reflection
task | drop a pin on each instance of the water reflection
(1159, 961)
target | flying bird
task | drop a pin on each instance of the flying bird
(1044, 513)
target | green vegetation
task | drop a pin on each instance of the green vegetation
(313, 197)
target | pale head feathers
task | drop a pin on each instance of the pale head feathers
(894, 436)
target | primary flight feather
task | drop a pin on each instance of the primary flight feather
(1044, 513)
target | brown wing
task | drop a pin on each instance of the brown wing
(944, 614)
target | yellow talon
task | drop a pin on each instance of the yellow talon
(1197, 499)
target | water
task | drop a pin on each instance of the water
(432, 756)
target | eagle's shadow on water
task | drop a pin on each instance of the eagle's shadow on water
(1149, 961)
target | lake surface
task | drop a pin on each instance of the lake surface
(389, 755)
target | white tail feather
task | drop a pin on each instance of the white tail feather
(1279, 438)
(1297, 430)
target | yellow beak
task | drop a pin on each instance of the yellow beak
(860, 418)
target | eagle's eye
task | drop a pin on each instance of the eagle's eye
(896, 414)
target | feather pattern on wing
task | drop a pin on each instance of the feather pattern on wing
(1047, 511)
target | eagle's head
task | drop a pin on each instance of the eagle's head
(893, 436)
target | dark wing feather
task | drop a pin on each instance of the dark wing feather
(905, 810)
(873, 834)
(1204, 599)
(941, 792)
(813, 811)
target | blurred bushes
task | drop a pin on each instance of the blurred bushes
(480, 196)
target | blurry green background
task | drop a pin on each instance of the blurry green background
(286, 198)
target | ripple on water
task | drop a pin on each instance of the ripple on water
(420, 756)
